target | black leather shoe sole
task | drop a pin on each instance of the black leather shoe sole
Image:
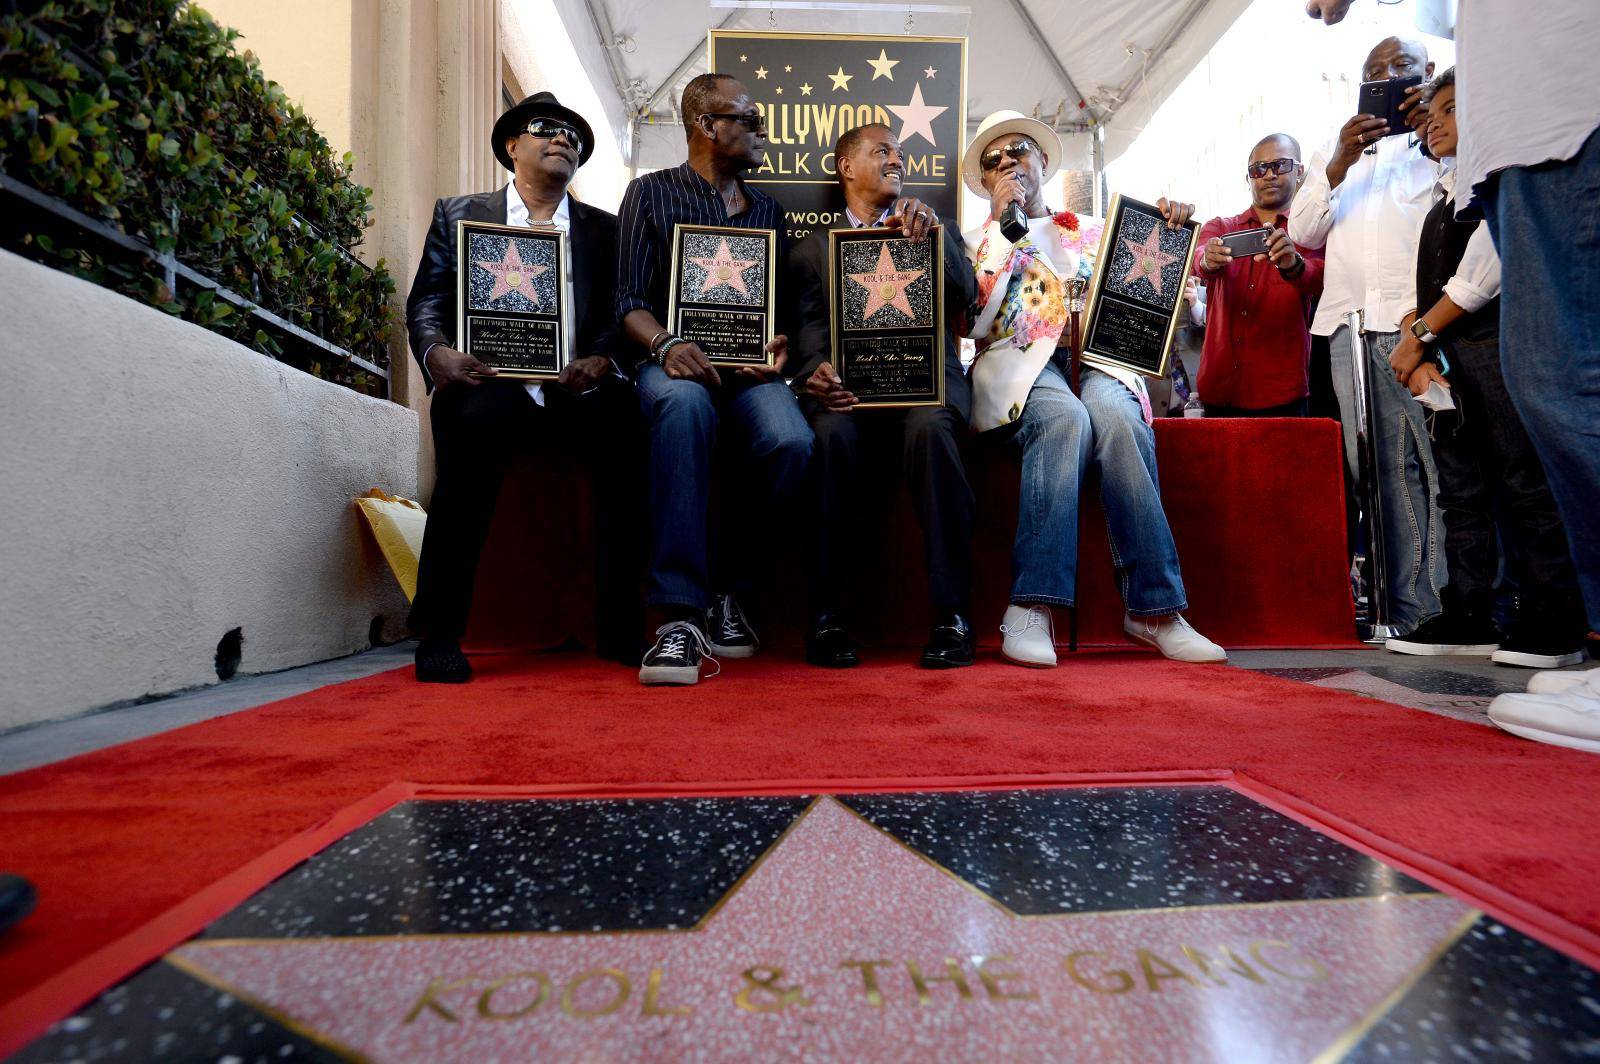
(841, 658)
(444, 668)
(17, 898)
(947, 659)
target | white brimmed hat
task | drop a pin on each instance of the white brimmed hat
(998, 125)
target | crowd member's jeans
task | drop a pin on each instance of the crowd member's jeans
(476, 433)
(928, 441)
(768, 444)
(1063, 437)
(1488, 467)
(1545, 221)
(1407, 481)
(1298, 408)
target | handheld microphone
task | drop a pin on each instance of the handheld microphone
(1013, 222)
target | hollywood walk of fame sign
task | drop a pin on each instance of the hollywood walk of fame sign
(812, 87)
(1136, 297)
(513, 298)
(723, 291)
(887, 321)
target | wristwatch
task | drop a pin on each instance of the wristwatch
(1421, 331)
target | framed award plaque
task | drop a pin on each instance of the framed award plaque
(1136, 296)
(721, 294)
(887, 297)
(514, 298)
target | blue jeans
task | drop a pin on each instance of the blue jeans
(1062, 437)
(769, 464)
(1408, 484)
(1545, 221)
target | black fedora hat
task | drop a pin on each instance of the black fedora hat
(539, 105)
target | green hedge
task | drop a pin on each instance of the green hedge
(143, 114)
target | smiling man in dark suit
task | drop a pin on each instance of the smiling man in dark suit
(480, 423)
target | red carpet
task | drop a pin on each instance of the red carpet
(115, 838)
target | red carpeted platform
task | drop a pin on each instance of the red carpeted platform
(117, 838)
(1256, 507)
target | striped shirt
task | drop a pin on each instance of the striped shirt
(651, 206)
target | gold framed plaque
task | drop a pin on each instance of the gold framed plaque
(887, 322)
(514, 298)
(722, 292)
(1136, 296)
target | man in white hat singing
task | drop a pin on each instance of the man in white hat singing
(1020, 385)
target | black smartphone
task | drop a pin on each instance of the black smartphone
(1247, 242)
(1382, 99)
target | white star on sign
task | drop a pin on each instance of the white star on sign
(805, 90)
(928, 72)
(761, 72)
(883, 66)
(916, 118)
(841, 80)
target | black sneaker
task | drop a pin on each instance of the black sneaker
(728, 631)
(1542, 638)
(675, 658)
(1449, 633)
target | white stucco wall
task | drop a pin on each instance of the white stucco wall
(160, 485)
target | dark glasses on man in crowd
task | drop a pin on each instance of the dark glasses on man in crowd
(549, 129)
(1017, 149)
(756, 123)
(1271, 166)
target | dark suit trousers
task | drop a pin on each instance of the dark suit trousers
(842, 462)
(1488, 470)
(477, 432)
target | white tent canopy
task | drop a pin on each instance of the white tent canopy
(1079, 64)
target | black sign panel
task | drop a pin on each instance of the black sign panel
(1137, 292)
(814, 86)
(513, 298)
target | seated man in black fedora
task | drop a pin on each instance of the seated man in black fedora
(480, 423)
(872, 171)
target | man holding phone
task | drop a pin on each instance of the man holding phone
(1259, 291)
(1364, 200)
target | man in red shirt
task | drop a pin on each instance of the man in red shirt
(1258, 309)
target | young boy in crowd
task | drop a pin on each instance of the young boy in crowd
(1487, 466)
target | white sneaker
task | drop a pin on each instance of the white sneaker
(1030, 636)
(1173, 637)
(1571, 718)
(1553, 683)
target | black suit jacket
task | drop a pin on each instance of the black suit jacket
(591, 241)
(813, 344)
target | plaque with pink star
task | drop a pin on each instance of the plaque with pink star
(1137, 293)
(512, 298)
(887, 295)
(722, 291)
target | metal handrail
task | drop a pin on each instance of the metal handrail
(1378, 628)
(175, 269)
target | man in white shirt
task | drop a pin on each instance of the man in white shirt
(1364, 199)
(1529, 111)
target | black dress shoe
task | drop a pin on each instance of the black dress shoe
(829, 645)
(949, 644)
(17, 898)
(441, 661)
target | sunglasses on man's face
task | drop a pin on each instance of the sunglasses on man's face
(1271, 166)
(549, 129)
(756, 123)
(1017, 149)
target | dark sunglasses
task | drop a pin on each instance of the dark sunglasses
(1017, 149)
(756, 123)
(1272, 166)
(549, 129)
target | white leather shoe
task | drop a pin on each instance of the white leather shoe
(1030, 636)
(1571, 718)
(1174, 638)
(1553, 683)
